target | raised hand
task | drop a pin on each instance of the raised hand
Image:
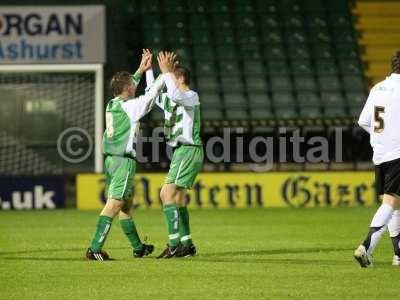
(166, 61)
(149, 56)
(145, 63)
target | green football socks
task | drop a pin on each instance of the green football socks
(102, 230)
(129, 228)
(172, 218)
(184, 227)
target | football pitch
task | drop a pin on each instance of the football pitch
(242, 254)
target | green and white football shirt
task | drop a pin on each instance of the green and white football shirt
(122, 120)
(181, 113)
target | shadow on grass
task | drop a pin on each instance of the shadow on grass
(261, 256)
(281, 261)
(52, 250)
(45, 258)
(278, 251)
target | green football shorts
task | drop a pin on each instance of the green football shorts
(186, 163)
(119, 173)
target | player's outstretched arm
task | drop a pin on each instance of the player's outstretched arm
(145, 64)
(142, 105)
(167, 62)
(150, 81)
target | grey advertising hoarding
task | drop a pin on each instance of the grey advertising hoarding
(52, 34)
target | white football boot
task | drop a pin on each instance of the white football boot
(362, 256)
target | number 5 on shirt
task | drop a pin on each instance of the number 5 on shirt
(379, 122)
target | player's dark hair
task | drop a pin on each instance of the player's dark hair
(119, 81)
(184, 72)
(396, 62)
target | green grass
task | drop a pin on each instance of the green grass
(243, 254)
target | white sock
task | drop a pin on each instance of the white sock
(382, 215)
(378, 227)
(394, 231)
(394, 224)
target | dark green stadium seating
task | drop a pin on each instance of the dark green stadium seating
(262, 59)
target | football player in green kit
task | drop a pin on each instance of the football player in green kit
(181, 108)
(123, 114)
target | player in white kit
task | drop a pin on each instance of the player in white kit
(380, 117)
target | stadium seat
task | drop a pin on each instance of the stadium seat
(334, 112)
(253, 67)
(152, 20)
(220, 6)
(235, 100)
(310, 112)
(293, 21)
(208, 83)
(356, 99)
(282, 99)
(231, 84)
(243, 6)
(211, 114)
(205, 68)
(197, 6)
(302, 67)
(332, 99)
(225, 37)
(275, 51)
(153, 37)
(200, 36)
(278, 67)
(256, 84)
(251, 51)
(326, 67)
(236, 114)
(347, 51)
(177, 37)
(244, 20)
(229, 68)
(350, 66)
(260, 100)
(152, 6)
(176, 6)
(269, 21)
(176, 20)
(226, 53)
(322, 51)
(221, 21)
(261, 113)
(203, 53)
(281, 83)
(272, 37)
(296, 36)
(210, 100)
(289, 112)
(305, 83)
(198, 20)
(329, 83)
(299, 51)
(353, 83)
(247, 36)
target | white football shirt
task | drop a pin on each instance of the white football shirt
(381, 118)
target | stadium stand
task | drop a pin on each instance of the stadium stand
(264, 59)
(378, 24)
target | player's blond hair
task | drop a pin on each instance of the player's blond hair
(119, 81)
